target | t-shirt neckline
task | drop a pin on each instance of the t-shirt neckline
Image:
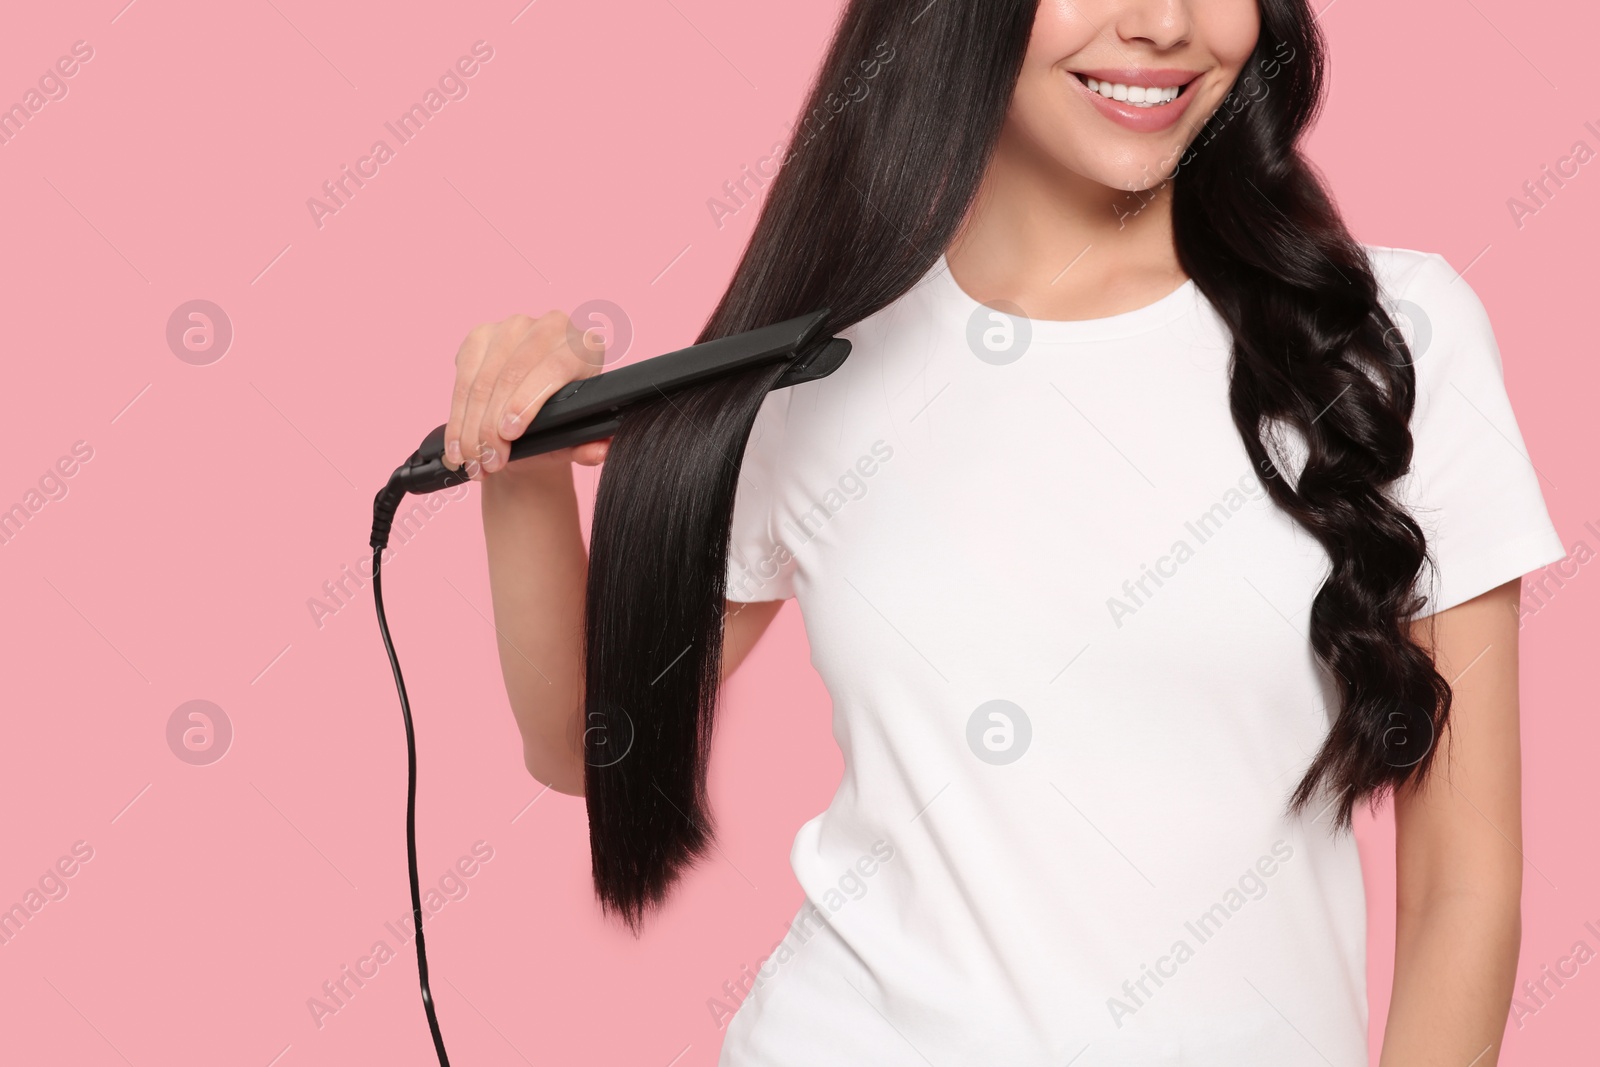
(1175, 305)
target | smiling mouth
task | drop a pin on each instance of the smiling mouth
(1136, 95)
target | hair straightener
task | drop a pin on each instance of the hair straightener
(588, 409)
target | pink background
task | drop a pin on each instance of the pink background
(220, 497)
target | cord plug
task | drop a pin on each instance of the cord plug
(423, 472)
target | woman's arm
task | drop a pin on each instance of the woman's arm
(538, 568)
(538, 564)
(1458, 846)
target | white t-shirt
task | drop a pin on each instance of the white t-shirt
(1066, 636)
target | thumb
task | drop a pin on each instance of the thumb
(592, 453)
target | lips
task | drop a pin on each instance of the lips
(1145, 100)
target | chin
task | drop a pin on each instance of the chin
(1129, 174)
(1142, 178)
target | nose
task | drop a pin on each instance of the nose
(1161, 24)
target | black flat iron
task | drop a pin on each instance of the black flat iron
(591, 409)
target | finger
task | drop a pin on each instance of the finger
(520, 394)
(591, 454)
(589, 345)
(476, 447)
(535, 370)
(468, 358)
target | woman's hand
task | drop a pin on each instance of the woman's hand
(505, 371)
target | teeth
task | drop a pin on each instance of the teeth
(1138, 95)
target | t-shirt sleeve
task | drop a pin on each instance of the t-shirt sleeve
(1472, 486)
(760, 567)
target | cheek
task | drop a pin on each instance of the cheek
(1063, 28)
(1041, 103)
(1228, 29)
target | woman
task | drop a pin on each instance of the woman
(1136, 543)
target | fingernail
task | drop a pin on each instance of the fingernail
(452, 450)
(508, 425)
(472, 468)
(490, 459)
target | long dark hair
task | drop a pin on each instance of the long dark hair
(872, 190)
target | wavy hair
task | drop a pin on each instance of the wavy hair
(859, 212)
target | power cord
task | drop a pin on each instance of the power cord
(383, 511)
